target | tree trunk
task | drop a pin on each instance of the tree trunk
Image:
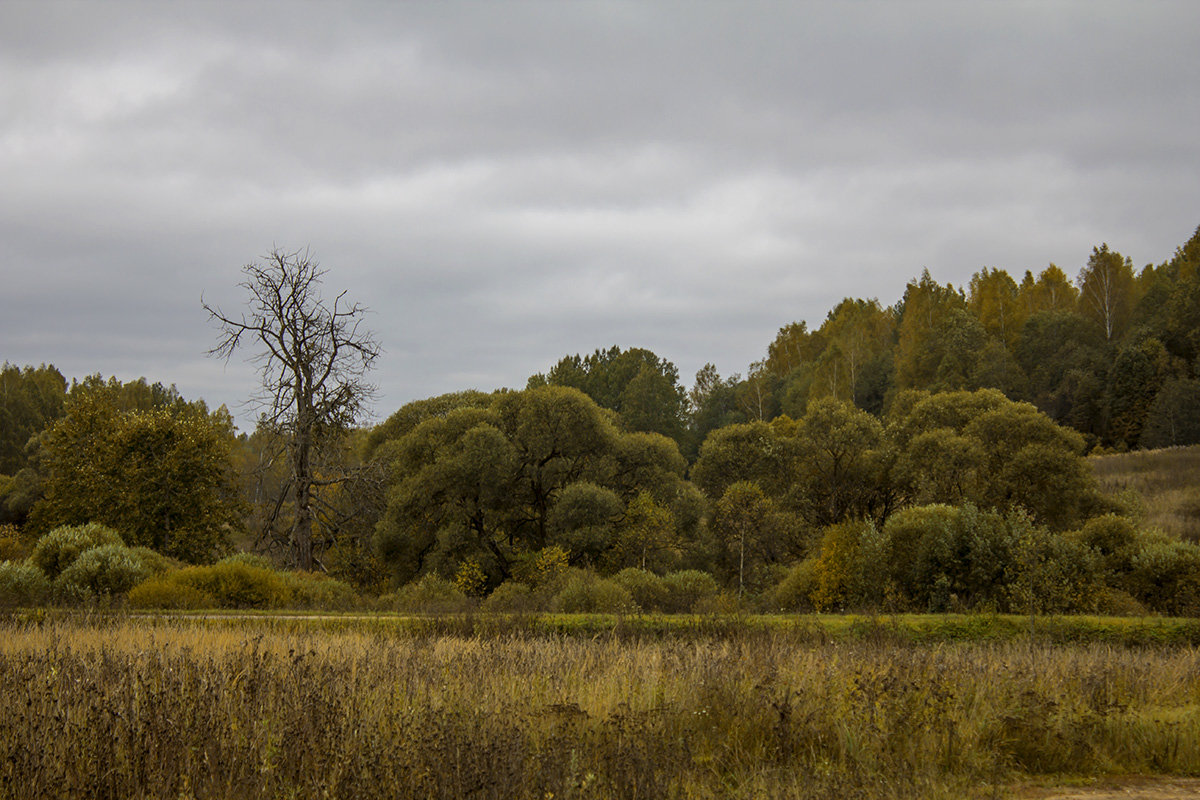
(302, 530)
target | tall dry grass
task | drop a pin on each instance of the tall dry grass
(1165, 483)
(171, 709)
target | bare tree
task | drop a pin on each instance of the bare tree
(313, 357)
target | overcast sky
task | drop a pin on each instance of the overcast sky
(507, 183)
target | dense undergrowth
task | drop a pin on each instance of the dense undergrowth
(115, 707)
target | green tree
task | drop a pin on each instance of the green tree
(741, 522)
(793, 347)
(648, 538)
(751, 451)
(1107, 290)
(856, 333)
(1065, 357)
(30, 400)
(713, 404)
(640, 386)
(839, 464)
(1174, 416)
(1052, 291)
(161, 477)
(919, 356)
(541, 468)
(1139, 371)
(1011, 456)
(992, 296)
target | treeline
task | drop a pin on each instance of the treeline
(923, 456)
(1112, 355)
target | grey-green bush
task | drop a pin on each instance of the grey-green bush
(584, 593)
(515, 597)
(22, 584)
(108, 570)
(431, 594)
(687, 588)
(1166, 577)
(59, 548)
(648, 590)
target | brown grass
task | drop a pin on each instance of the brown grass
(1165, 484)
(170, 709)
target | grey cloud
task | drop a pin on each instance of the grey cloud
(507, 183)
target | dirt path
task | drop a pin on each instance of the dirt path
(1119, 789)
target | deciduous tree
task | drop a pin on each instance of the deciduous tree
(313, 356)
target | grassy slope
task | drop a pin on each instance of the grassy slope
(1165, 482)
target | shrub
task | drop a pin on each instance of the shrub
(1118, 603)
(13, 545)
(848, 568)
(235, 584)
(647, 589)
(718, 604)
(430, 594)
(162, 592)
(1114, 539)
(111, 569)
(1053, 574)
(585, 593)
(543, 568)
(250, 559)
(155, 562)
(314, 590)
(59, 548)
(515, 597)
(470, 579)
(1166, 577)
(22, 584)
(688, 587)
(795, 591)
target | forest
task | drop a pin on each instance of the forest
(930, 455)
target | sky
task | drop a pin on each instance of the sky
(506, 183)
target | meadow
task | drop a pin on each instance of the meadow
(110, 706)
(1163, 485)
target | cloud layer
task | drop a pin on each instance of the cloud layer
(504, 184)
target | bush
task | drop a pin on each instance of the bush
(111, 569)
(687, 588)
(1114, 539)
(249, 559)
(1166, 577)
(585, 593)
(162, 592)
(59, 548)
(317, 591)
(13, 545)
(723, 603)
(849, 566)
(22, 585)
(1054, 574)
(543, 568)
(795, 591)
(941, 558)
(515, 597)
(155, 562)
(647, 589)
(235, 584)
(431, 594)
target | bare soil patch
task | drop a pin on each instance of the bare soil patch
(1134, 788)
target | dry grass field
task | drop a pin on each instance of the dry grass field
(1165, 484)
(184, 708)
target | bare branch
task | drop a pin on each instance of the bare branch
(313, 357)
